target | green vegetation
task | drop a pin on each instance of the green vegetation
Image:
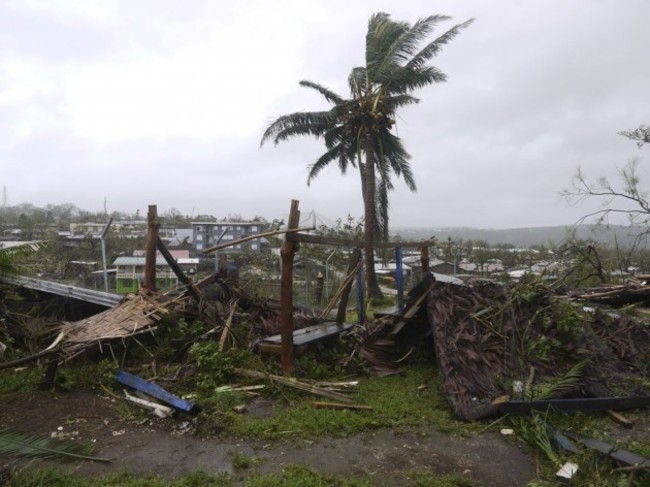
(594, 468)
(291, 476)
(412, 400)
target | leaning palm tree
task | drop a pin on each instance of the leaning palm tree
(357, 131)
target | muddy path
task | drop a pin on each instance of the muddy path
(169, 448)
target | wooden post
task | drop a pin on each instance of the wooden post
(345, 294)
(150, 249)
(287, 252)
(424, 260)
(399, 278)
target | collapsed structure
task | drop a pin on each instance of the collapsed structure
(495, 345)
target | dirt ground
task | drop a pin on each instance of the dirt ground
(167, 447)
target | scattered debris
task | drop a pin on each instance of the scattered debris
(566, 472)
(156, 408)
(291, 382)
(623, 456)
(154, 390)
(240, 388)
(338, 405)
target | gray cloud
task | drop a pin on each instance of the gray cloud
(96, 101)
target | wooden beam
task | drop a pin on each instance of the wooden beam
(338, 405)
(341, 242)
(150, 249)
(193, 290)
(291, 382)
(253, 237)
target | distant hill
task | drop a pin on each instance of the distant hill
(527, 237)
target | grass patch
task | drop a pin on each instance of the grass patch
(291, 476)
(426, 478)
(299, 476)
(20, 380)
(54, 478)
(397, 401)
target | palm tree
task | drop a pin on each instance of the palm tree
(357, 130)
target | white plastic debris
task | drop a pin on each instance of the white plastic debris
(567, 472)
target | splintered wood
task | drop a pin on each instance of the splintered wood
(131, 316)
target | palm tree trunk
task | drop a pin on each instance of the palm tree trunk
(372, 288)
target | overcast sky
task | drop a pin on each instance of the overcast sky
(164, 102)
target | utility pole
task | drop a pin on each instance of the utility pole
(103, 240)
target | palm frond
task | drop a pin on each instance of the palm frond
(381, 207)
(434, 47)
(20, 444)
(405, 79)
(329, 95)
(393, 102)
(358, 81)
(565, 383)
(398, 159)
(297, 124)
(335, 153)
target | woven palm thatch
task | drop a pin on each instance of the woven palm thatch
(133, 315)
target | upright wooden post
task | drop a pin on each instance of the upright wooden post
(399, 278)
(424, 260)
(150, 249)
(287, 251)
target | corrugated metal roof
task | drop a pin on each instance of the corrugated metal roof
(129, 260)
(229, 224)
(160, 260)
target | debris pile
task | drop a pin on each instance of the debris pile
(491, 340)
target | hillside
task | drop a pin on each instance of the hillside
(527, 237)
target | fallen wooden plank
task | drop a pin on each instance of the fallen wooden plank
(155, 391)
(291, 382)
(338, 405)
(226, 327)
(239, 388)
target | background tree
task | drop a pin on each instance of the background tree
(640, 134)
(357, 131)
(627, 197)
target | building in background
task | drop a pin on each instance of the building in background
(206, 234)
